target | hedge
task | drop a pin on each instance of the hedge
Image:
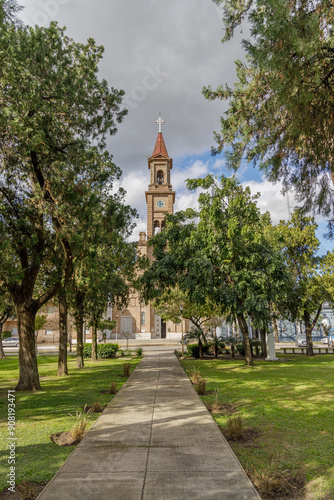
(193, 349)
(103, 350)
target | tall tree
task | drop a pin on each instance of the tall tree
(55, 116)
(219, 254)
(281, 109)
(308, 292)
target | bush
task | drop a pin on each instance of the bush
(139, 351)
(126, 369)
(193, 350)
(6, 334)
(235, 428)
(240, 349)
(177, 353)
(200, 387)
(103, 350)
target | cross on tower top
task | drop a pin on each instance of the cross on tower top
(160, 121)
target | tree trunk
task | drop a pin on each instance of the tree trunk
(28, 375)
(62, 356)
(263, 342)
(94, 341)
(308, 332)
(244, 330)
(79, 323)
(235, 330)
(200, 348)
(2, 353)
(275, 328)
(232, 351)
(79, 326)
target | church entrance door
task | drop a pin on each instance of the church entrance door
(163, 329)
(126, 327)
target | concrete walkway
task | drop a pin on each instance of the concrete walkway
(154, 441)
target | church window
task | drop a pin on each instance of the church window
(156, 227)
(160, 177)
(142, 319)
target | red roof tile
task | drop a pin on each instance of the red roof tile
(160, 148)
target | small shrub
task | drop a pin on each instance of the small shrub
(235, 428)
(178, 353)
(79, 429)
(215, 407)
(240, 349)
(113, 388)
(126, 352)
(126, 369)
(200, 386)
(274, 481)
(194, 375)
(139, 351)
(193, 350)
(96, 407)
(6, 334)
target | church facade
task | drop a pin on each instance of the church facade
(140, 320)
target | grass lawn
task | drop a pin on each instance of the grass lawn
(289, 405)
(47, 412)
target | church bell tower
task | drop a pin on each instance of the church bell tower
(160, 196)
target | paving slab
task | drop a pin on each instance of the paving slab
(154, 441)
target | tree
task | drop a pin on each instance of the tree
(62, 321)
(55, 115)
(280, 114)
(8, 12)
(6, 311)
(299, 246)
(327, 267)
(219, 254)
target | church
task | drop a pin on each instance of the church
(140, 320)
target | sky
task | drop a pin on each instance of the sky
(162, 53)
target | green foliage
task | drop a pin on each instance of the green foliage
(6, 334)
(103, 350)
(240, 349)
(139, 351)
(220, 256)
(280, 113)
(193, 350)
(40, 322)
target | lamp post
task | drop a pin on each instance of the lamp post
(181, 311)
(116, 326)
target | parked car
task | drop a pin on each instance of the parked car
(11, 342)
(301, 340)
(324, 340)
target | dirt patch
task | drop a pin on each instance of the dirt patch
(247, 439)
(108, 392)
(63, 439)
(24, 491)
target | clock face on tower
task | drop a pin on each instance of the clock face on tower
(160, 203)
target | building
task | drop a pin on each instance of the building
(140, 320)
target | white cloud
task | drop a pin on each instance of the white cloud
(272, 199)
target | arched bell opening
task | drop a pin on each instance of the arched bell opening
(160, 177)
